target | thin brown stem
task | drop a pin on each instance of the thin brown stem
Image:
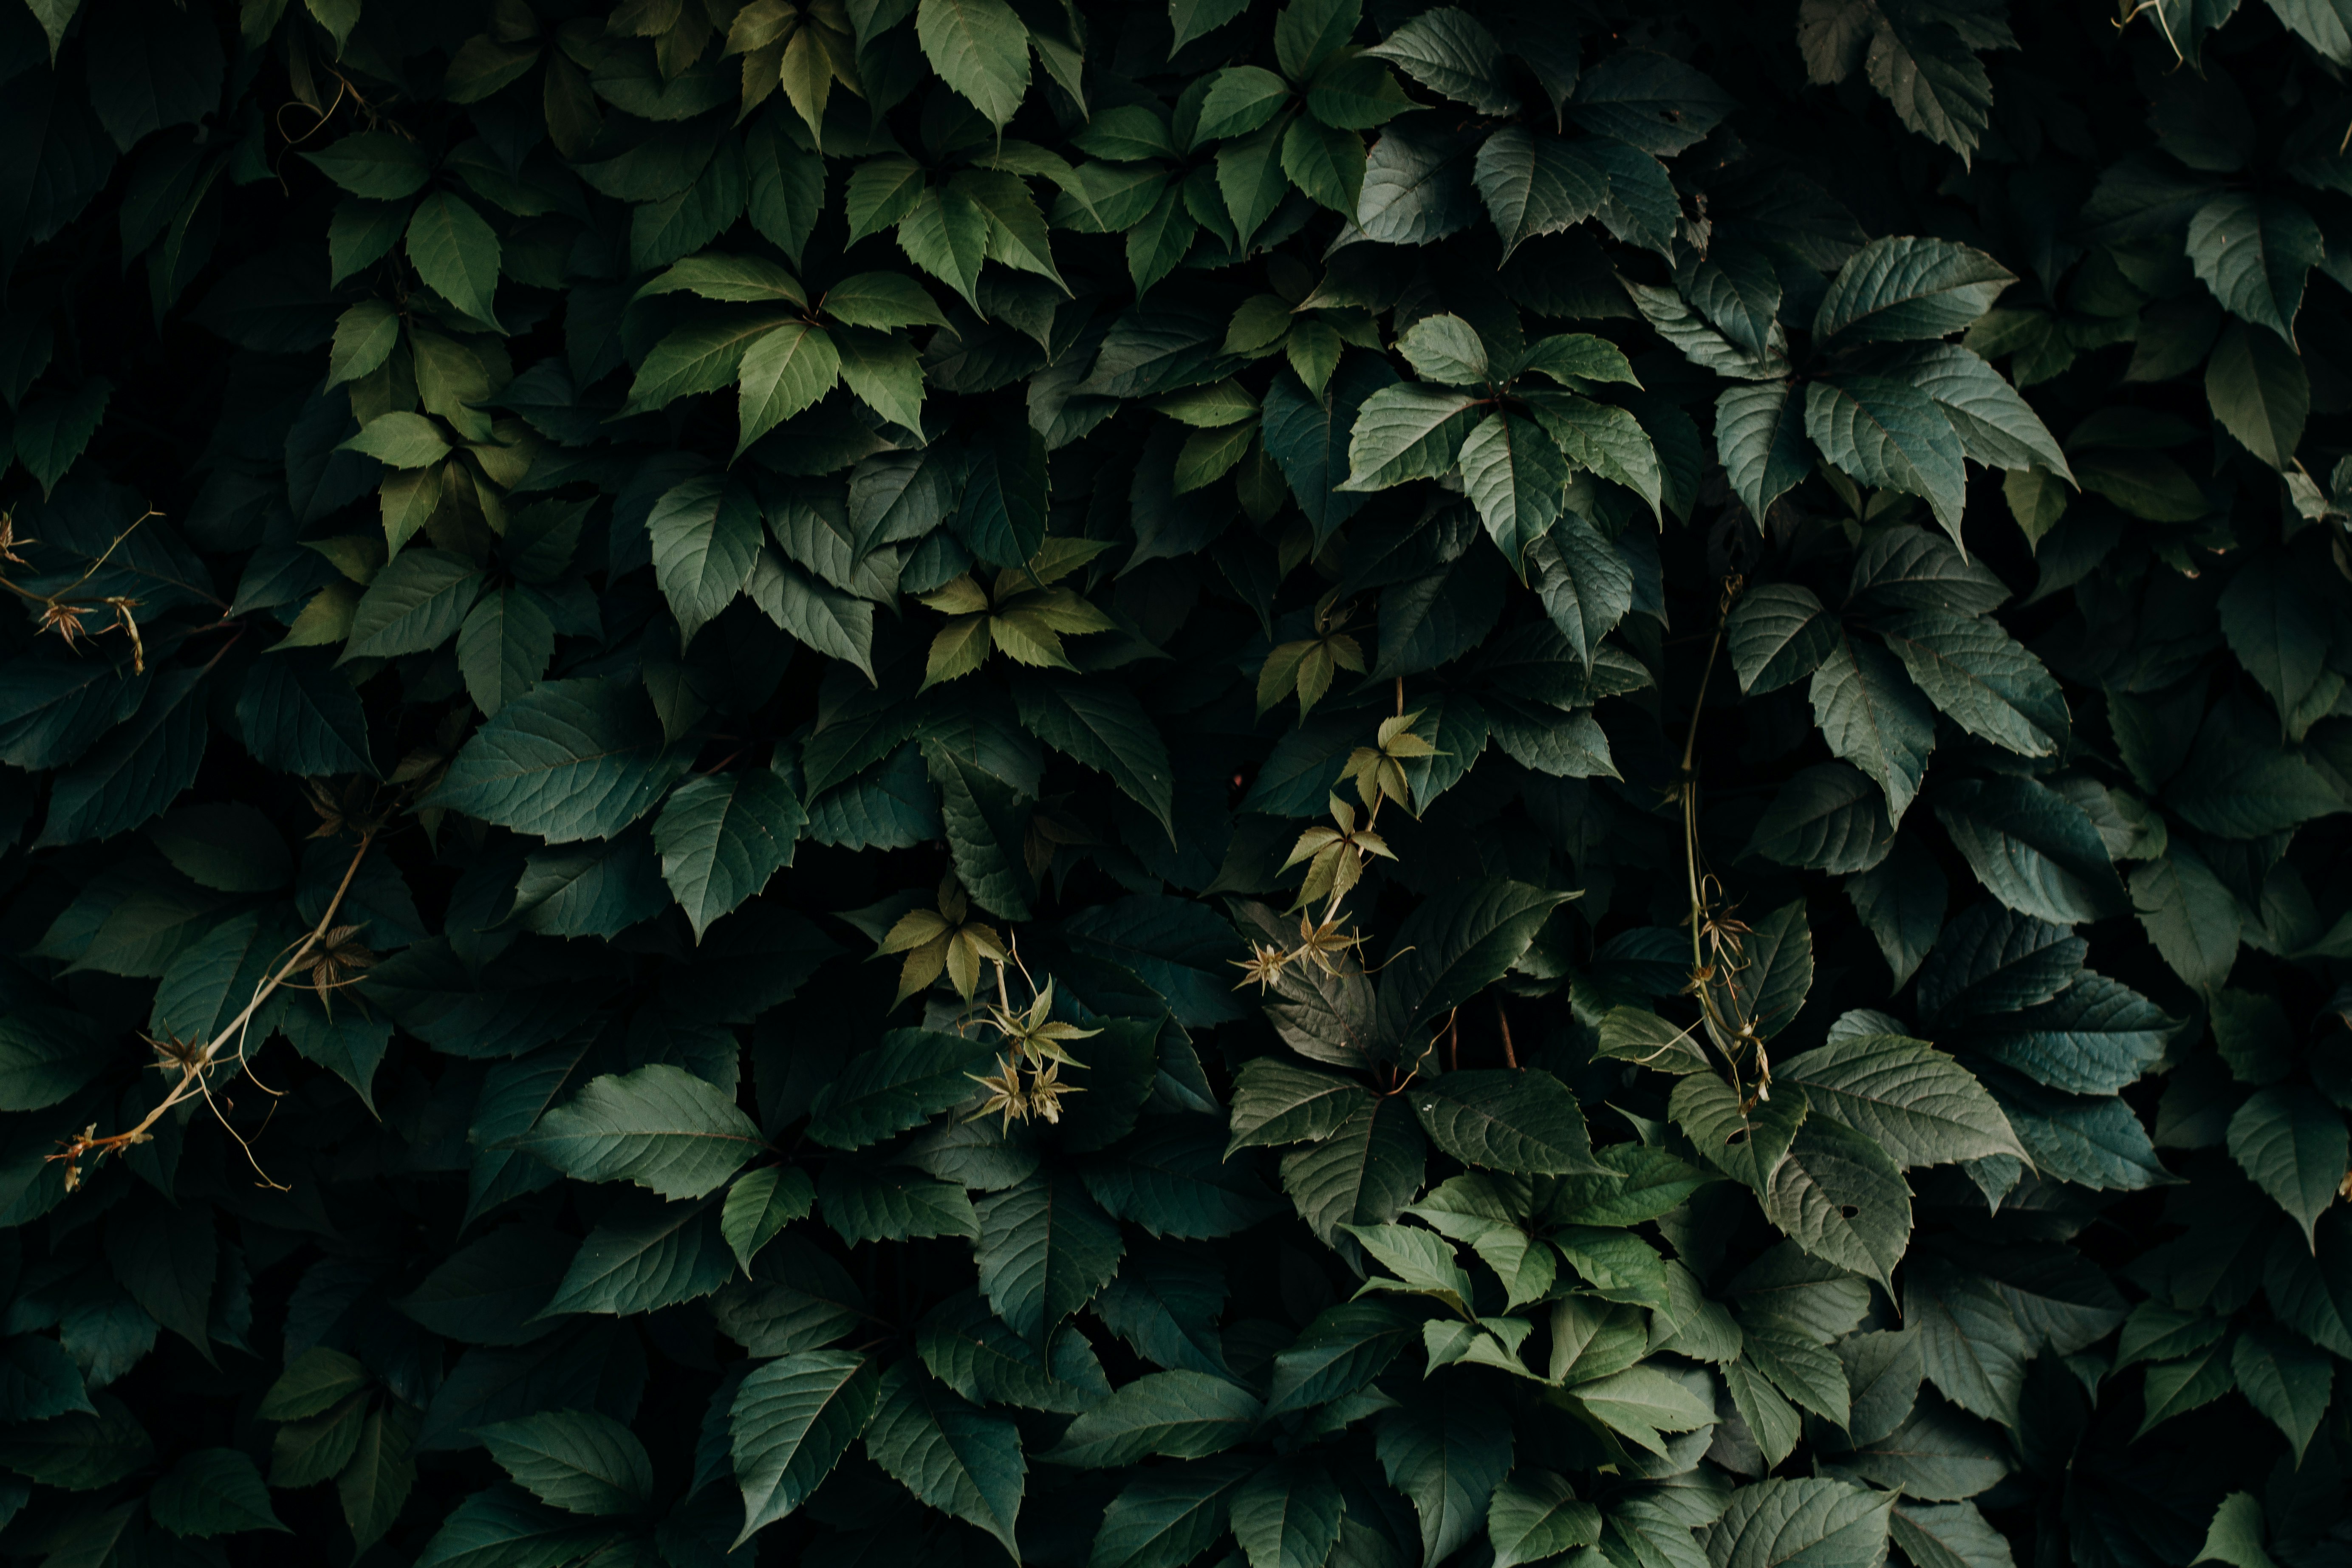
(1453, 1041)
(1503, 1022)
(193, 1071)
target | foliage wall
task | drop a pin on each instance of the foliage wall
(1307, 783)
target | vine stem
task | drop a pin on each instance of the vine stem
(1690, 786)
(192, 1073)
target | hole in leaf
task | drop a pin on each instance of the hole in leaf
(1848, 1210)
(1736, 1138)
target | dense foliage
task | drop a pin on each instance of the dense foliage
(859, 782)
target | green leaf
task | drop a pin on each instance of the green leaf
(911, 1077)
(365, 336)
(575, 1460)
(2239, 783)
(1166, 1517)
(1340, 1353)
(79, 1452)
(2286, 1381)
(45, 1053)
(1937, 1454)
(791, 1420)
(1444, 347)
(400, 441)
(1516, 478)
(957, 1458)
(2033, 848)
(1987, 681)
(502, 1526)
(2189, 914)
(1641, 1401)
(1819, 1523)
(414, 605)
(1810, 1374)
(2276, 626)
(706, 537)
(881, 300)
(1778, 632)
(2296, 1148)
(38, 1380)
(1840, 1197)
(1306, 436)
(504, 646)
(212, 1492)
(2095, 1141)
(832, 623)
(1827, 818)
(1045, 1250)
(1535, 185)
(1873, 716)
(1949, 1535)
(1363, 1173)
(1759, 438)
(1534, 1515)
(1451, 53)
(2236, 1534)
(1585, 584)
(698, 357)
(883, 372)
(456, 253)
(722, 835)
(1525, 1122)
(1889, 433)
(2176, 1387)
(1182, 1414)
(981, 49)
(1459, 941)
(1240, 99)
(377, 164)
(1276, 1102)
(1306, 35)
(660, 1127)
(1604, 438)
(1003, 518)
(568, 760)
(2146, 484)
(1100, 723)
(2253, 252)
(782, 373)
(1772, 1422)
(644, 1257)
(1288, 1514)
(1996, 426)
(1746, 1142)
(1903, 568)
(1902, 901)
(946, 235)
(986, 830)
(759, 1204)
(1905, 289)
(1446, 1457)
(312, 1383)
(1325, 162)
(375, 1485)
(1408, 431)
(2256, 386)
(1917, 1102)
(2094, 1037)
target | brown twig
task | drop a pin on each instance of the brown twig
(194, 1064)
(1503, 1021)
